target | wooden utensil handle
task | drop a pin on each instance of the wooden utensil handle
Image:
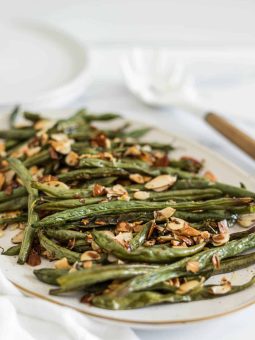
(236, 136)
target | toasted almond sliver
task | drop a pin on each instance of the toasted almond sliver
(190, 231)
(123, 226)
(63, 147)
(90, 255)
(72, 158)
(192, 266)
(188, 286)
(216, 261)
(18, 237)
(122, 238)
(246, 220)
(62, 264)
(162, 181)
(116, 190)
(164, 214)
(44, 124)
(176, 224)
(165, 238)
(87, 264)
(164, 188)
(2, 180)
(2, 149)
(149, 243)
(137, 178)
(141, 195)
(98, 190)
(219, 290)
(205, 235)
(133, 150)
(210, 176)
(60, 137)
(32, 151)
(9, 176)
(220, 239)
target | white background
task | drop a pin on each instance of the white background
(111, 27)
(189, 22)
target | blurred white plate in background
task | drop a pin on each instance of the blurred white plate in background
(40, 66)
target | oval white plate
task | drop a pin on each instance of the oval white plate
(157, 316)
(40, 65)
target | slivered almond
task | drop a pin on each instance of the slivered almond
(164, 188)
(116, 190)
(164, 214)
(161, 182)
(192, 266)
(149, 243)
(187, 230)
(188, 286)
(176, 224)
(72, 158)
(2, 180)
(165, 238)
(175, 243)
(124, 238)
(9, 175)
(62, 264)
(90, 255)
(210, 176)
(95, 247)
(44, 124)
(87, 264)
(220, 239)
(141, 195)
(246, 220)
(187, 240)
(63, 147)
(205, 235)
(220, 290)
(98, 190)
(32, 151)
(61, 143)
(123, 226)
(2, 150)
(216, 261)
(133, 150)
(137, 178)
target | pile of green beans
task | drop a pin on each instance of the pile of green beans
(85, 198)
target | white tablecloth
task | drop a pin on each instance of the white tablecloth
(17, 313)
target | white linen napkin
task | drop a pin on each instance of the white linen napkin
(26, 318)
